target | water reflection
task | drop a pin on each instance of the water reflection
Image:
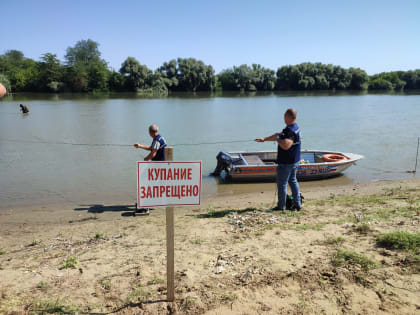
(193, 95)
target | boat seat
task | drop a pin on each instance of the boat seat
(253, 160)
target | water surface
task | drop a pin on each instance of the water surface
(36, 169)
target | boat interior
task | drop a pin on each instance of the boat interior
(269, 158)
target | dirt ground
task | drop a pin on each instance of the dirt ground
(232, 256)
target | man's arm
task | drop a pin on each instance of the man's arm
(286, 140)
(285, 144)
(151, 155)
(142, 146)
(269, 138)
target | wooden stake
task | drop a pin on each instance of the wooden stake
(417, 155)
(170, 235)
(170, 263)
(169, 153)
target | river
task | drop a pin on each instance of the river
(37, 169)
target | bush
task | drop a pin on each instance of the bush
(380, 84)
(399, 241)
(344, 256)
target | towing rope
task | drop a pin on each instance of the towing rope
(116, 144)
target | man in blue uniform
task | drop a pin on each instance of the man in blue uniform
(288, 157)
(157, 148)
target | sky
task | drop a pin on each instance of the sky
(376, 36)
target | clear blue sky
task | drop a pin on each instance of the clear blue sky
(373, 35)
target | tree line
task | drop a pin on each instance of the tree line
(83, 70)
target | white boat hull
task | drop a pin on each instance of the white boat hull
(262, 165)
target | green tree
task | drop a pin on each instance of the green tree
(387, 81)
(359, 79)
(84, 52)
(86, 70)
(263, 78)
(380, 84)
(227, 80)
(169, 74)
(187, 74)
(116, 81)
(412, 79)
(193, 75)
(50, 73)
(312, 76)
(137, 76)
(21, 72)
(76, 79)
(158, 84)
(283, 78)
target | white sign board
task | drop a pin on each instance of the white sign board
(166, 184)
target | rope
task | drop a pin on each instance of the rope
(68, 143)
(116, 144)
(206, 143)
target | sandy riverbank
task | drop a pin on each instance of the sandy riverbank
(231, 255)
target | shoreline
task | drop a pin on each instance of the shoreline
(258, 195)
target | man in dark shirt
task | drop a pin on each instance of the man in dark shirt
(157, 148)
(288, 157)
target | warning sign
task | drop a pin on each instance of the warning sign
(163, 184)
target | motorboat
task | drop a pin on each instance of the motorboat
(313, 165)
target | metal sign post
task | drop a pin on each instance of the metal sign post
(168, 184)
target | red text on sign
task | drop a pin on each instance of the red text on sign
(169, 174)
(178, 191)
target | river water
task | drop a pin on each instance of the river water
(36, 169)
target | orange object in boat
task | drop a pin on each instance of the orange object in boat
(334, 157)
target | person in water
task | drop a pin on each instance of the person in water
(24, 109)
(157, 148)
(288, 157)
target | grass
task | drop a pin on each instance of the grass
(197, 242)
(2, 251)
(70, 262)
(346, 257)
(334, 240)
(304, 227)
(187, 304)
(399, 241)
(106, 285)
(136, 294)
(229, 297)
(99, 235)
(155, 280)
(344, 220)
(395, 203)
(51, 307)
(351, 200)
(363, 228)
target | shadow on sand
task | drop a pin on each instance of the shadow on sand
(126, 210)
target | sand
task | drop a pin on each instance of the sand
(232, 255)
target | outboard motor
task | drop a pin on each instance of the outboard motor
(224, 162)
